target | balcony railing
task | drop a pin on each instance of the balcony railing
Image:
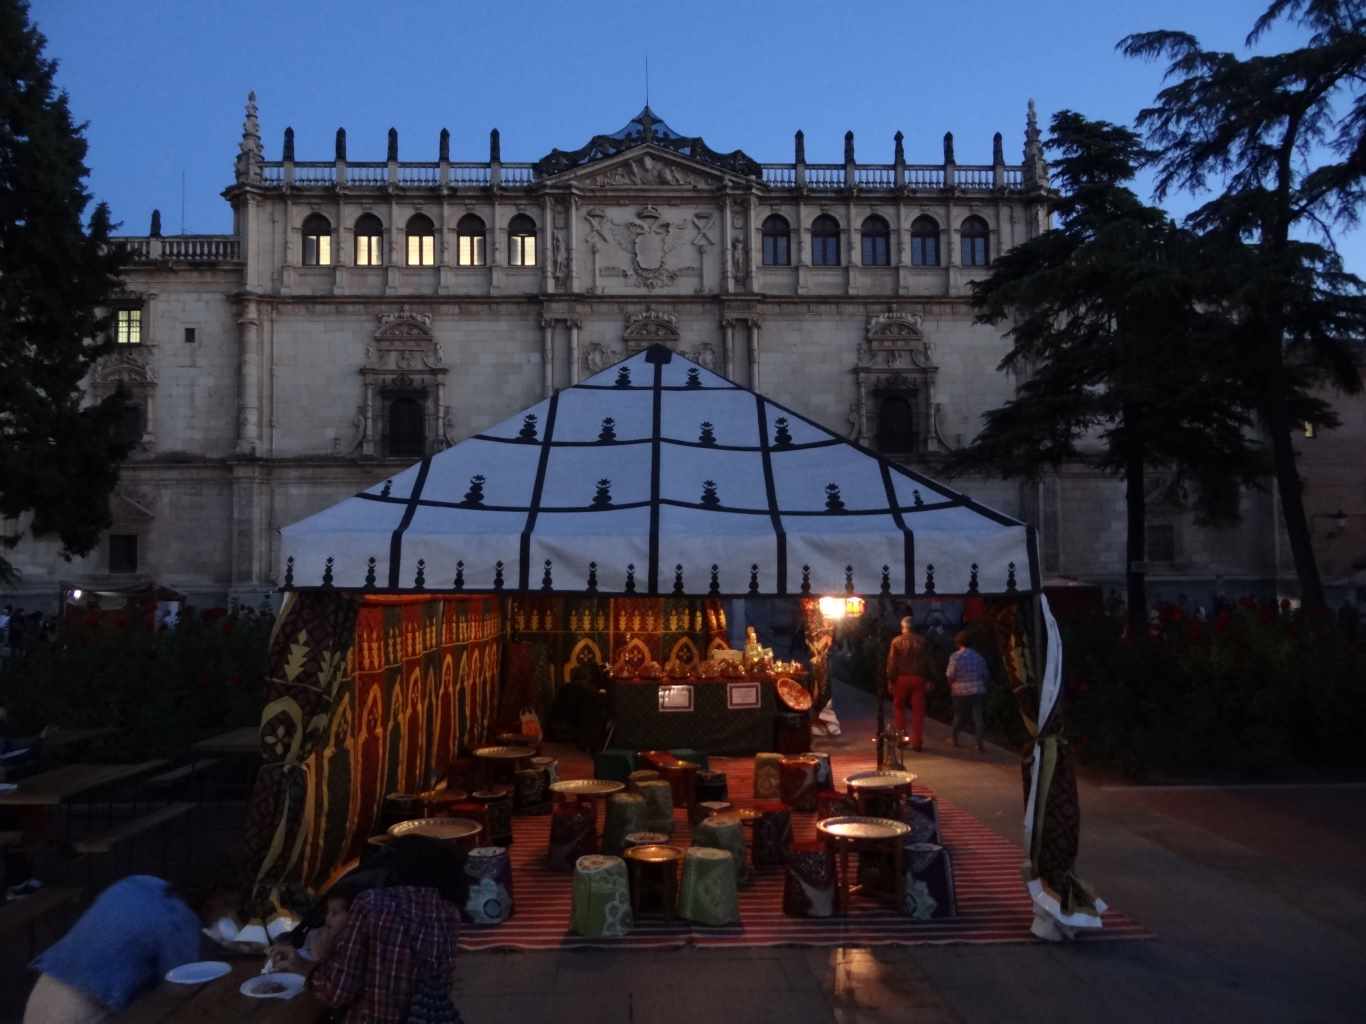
(975, 179)
(924, 176)
(470, 174)
(875, 177)
(315, 174)
(825, 177)
(780, 175)
(363, 175)
(419, 175)
(182, 248)
(518, 175)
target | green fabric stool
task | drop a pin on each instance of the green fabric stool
(602, 897)
(659, 806)
(641, 775)
(695, 756)
(724, 832)
(766, 776)
(625, 813)
(615, 764)
(708, 894)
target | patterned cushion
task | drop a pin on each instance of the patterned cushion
(642, 775)
(797, 782)
(615, 764)
(809, 888)
(922, 815)
(602, 897)
(573, 833)
(708, 895)
(659, 806)
(531, 791)
(766, 777)
(498, 815)
(626, 812)
(724, 832)
(772, 837)
(490, 897)
(929, 881)
(551, 766)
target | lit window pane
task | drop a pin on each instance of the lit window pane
(324, 250)
(529, 251)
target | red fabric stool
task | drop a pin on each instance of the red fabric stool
(682, 779)
(797, 782)
(809, 888)
(497, 815)
(573, 833)
(655, 759)
(772, 835)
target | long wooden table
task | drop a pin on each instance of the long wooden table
(709, 722)
(220, 1001)
(242, 742)
(58, 786)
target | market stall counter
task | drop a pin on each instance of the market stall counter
(718, 716)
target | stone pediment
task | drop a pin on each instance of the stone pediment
(644, 167)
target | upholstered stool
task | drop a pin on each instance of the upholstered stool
(615, 764)
(625, 813)
(724, 832)
(929, 881)
(655, 760)
(809, 888)
(490, 872)
(705, 809)
(573, 833)
(682, 779)
(922, 815)
(659, 806)
(709, 894)
(440, 802)
(643, 839)
(653, 873)
(831, 803)
(497, 815)
(711, 785)
(531, 791)
(551, 766)
(825, 777)
(772, 836)
(797, 782)
(792, 732)
(602, 897)
(688, 754)
(766, 776)
(400, 807)
(641, 775)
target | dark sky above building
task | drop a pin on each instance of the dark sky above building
(163, 82)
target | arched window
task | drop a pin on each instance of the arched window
(924, 242)
(895, 425)
(470, 236)
(825, 241)
(877, 242)
(976, 242)
(521, 241)
(406, 434)
(777, 241)
(369, 241)
(421, 234)
(317, 241)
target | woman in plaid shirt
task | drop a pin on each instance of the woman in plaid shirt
(968, 678)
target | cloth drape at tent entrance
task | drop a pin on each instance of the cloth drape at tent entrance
(640, 480)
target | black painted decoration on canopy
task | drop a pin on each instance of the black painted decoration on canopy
(678, 580)
(602, 497)
(474, 497)
(545, 577)
(631, 578)
(1010, 576)
(754, 579)
(592, 587)
(460, 575)
(708, 436)
(709, 496)
(782, 438)
(833, 501)
(370, 573)
(972, 579)
(498, 576)
(694, 378)
(886, 580)
(528, 431)
(624, 377)
(848, 579)
(929, 579)
(384, 491)
(609, 430)
(289, 572)
(806, 579)
(715, 586)
(420, 580)
(327, 572)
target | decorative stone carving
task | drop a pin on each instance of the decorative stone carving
(404, 360)
(130, 368)
(646, 240)
(597, 358)
(403, 328)
(895, 370)
(647, 170)
(650, 327)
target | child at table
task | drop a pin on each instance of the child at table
(320, 940)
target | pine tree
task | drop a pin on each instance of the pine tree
(59, 460)
(1123, 363)
(1285, 136)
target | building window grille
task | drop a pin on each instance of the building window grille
(825, 241)
(777, 235)
(895, 425)
(317, 241)
(924, 242)
(369, 241)
(522, 241)
(877, 242)
(123, 552)
(406, 434)
(191, 335)
(128, 326)
(421, 241)
(470, 237)
(976, 242)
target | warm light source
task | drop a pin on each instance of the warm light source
(853, 607)
(76, 594)
(832, 608)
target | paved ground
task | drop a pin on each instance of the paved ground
(1257, 897)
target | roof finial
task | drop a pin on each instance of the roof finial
(249, 155)
(1035, 170)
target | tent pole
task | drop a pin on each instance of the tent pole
(1036, 633)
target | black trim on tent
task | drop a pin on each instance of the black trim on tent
(908, 537)
(396, 539)
(658, 355)
(780, 535)
(524, 569)
(820, 513)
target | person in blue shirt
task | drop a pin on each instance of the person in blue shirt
(134, 932)
(968, 677)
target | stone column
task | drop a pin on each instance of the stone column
(249, 382)
(547, 357)
(728, 327)
(754, 355)
(573, 351)
(727, 267)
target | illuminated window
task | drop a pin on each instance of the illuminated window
(421, 241)
(317, 241)
(369, 241)
(128, 327)
(123, 552)
(521, 241)
(924, 242)
(777, 241)
(470, 236)
(877, 242)
(1310, 430)
(825, 241)
(976, 242)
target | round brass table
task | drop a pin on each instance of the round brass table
(597, 789)
(880, 794)
(498, 764)
(880, 837)
(462, 831)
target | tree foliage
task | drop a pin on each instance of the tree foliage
(1283, 138)
(58, 459)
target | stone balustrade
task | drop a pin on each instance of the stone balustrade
(181, 248)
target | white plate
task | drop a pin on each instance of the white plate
(8, 787)
(197, 973)
(293, 984)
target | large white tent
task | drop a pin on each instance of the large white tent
(644, 477)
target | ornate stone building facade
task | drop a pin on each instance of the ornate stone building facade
(362, 314)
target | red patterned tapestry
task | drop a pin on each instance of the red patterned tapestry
(368, 696)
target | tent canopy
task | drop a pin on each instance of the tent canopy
(658, 476)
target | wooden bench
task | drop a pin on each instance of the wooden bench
(106, 842)
(184, 773)
(24, 913)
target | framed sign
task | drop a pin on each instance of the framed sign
(742, 695)
(675, 698)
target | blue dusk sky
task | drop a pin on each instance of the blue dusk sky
(162, 82)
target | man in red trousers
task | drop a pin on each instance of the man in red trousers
(908, 677)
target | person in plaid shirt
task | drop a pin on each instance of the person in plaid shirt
(968, 677)
(392, 961)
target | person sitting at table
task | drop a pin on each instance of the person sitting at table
(136, 930)
(391, 962)
(337, 909)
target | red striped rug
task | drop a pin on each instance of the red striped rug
(992, 903)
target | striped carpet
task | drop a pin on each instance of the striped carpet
(992, 903)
